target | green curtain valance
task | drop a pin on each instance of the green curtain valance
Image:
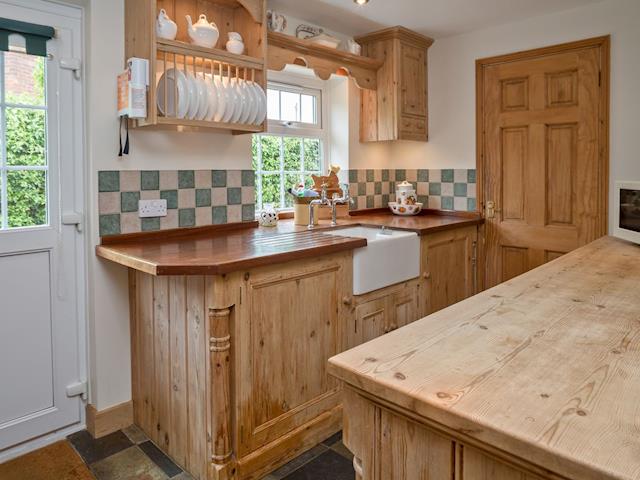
(35, 36)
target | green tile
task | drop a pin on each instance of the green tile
(370, 201)
(171, 196)
(424, 200)
(460, 189)
(186, 179)
(109, 224)
(401, 175)
(377, 188)
(129, 201)
(219, 178)
(187, 217)
(435, 188)
(471, 204)
(234, 196)
(248, 178)
(150, 180)
(203, 197)
(447, 203)
(248, 212)
(385, 200)
(109, 181)
(219, 215)
(471, 176)
(150, 224)
(370, 176)
(423, 175)
(447, 176)
(385, 175)
(362, 188)
(353, 176)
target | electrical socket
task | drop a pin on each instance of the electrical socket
(152, 208)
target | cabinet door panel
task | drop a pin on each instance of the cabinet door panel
(478, 466)
(409, 451)
(371, 320)
(404, 307)
(413, 80)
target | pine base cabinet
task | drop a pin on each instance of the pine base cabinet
(399, 445)
(449, 268)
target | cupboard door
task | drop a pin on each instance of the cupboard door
(478, 466)
(408, 451)
(449, 267)
(404, 307)
(413, 84)
(291, 318)
(371, 321)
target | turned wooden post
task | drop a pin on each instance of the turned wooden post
(220, 360)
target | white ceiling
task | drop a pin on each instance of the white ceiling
(435, 18)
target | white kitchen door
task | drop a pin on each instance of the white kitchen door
(42, 248)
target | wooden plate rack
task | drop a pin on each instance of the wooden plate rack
(247, 17)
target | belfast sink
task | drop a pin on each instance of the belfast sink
(391, 256)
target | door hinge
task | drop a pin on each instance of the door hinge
(73, 64)
(78, 388)
(73, 218)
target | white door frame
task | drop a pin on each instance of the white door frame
(72, 192)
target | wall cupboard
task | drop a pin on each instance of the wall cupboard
(397, 109)
(230, 371)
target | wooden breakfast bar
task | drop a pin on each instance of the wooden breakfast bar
(537, 378)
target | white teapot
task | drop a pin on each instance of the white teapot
(165, 27)
(203, 33)
(235, 44)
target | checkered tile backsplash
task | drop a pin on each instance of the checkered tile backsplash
(194, 198)
(446, 189)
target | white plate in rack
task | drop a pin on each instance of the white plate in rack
(194, 99)
(168, 81)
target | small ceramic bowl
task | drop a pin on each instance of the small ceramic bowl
(399, 209)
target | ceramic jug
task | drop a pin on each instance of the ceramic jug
(235, 44)
(165, 27)
(202, 33)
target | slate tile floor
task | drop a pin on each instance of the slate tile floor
(129, 455)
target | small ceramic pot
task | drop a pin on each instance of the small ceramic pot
(235, 44)
(406, 194)
(202, 33)
(165, 27)
(268, 217)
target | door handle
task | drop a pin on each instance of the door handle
(73, 218)
(490, 209)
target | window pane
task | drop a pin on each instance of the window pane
(270, 153)
(292, 153)
(27, 198)
(308, 109)
(25, 137)
(290, 105)
(290, 180)
(312, 154)
(271, 190)
(273, 104)
(24, 78)
(254, 153)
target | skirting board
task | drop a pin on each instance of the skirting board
(109, 420)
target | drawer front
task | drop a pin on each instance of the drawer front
(413, 128)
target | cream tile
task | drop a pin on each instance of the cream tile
(423, 188)
(219, 196)
(460, 203)
(149, 194)
(435, 176)
(129, 222)
(129, 180)
(471, 190)
(460, 175)
(248, 195)
(170, 221)
(362, 175)
(203, 178)
(446, 190)
(386, 188)
(361, 203)
(234, 213)
(434, 202)
(168, 179)
(203, 216)
(412, 175)
(234, 178)
(187, 198)
(377, 201)
(108, 202)
(370, 188)
(377, 175)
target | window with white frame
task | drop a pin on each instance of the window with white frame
(292, 148)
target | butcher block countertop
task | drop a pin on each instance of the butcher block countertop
(545, 367)
(223, 249)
